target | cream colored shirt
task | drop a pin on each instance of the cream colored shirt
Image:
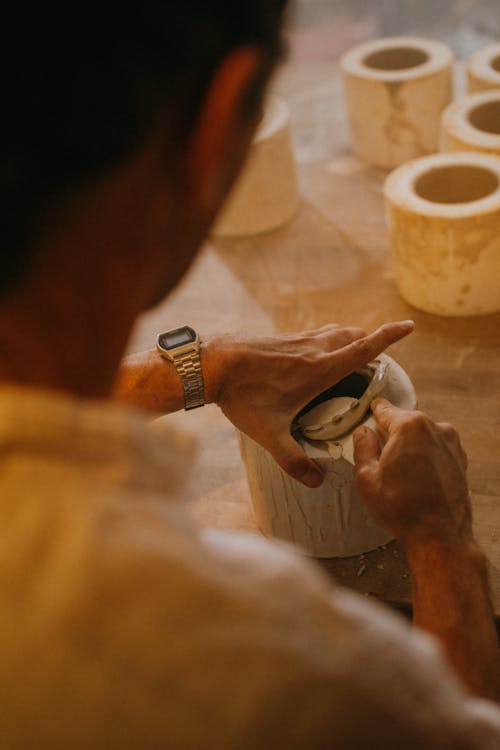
(123, 626)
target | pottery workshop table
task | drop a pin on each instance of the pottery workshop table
(332, 264)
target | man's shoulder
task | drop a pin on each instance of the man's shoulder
(233, 628)
(264, 564)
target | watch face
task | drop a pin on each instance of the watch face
(177, 337)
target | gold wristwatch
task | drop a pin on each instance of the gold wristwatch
(182, 347)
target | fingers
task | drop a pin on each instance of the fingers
(362, 350)
(292, 459)
(331, 337)
(366, 447)
(336, 337)
(390, 418)
(408, 422)
(452, 439)
(366, 455)
(387, 415)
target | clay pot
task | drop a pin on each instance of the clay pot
(330, 521)
(265, 195)
(473, 124)
(444, 220)
(483, 69)
(396, 89)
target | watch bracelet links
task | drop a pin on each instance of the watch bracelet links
(189, 369)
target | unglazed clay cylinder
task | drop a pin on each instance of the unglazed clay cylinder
(444, 220)
(473, 123)
(396, 90)
(483, 69)
(332, 520)
(265, 195)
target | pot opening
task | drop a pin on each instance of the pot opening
(354, 385)
(495, 63)
(486, 117)
(460, 183)
(396, 58)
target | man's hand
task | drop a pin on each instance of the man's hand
(263, 383)
(416, 487)
(416, 484)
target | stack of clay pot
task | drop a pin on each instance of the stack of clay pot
(443, 208)
(444, 216)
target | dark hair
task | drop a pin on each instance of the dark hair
(83, 82)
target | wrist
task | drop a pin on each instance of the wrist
(452, 600)
(444, 554)
(213, 367)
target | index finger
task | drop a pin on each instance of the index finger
(363, 350)
(387, 415)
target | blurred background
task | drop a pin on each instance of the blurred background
(323, 29)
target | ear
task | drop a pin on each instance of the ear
(223, 130)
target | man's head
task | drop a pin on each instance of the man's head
(84, 84)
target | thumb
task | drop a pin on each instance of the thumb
(366, 447)
(366, 454)
(293, 460)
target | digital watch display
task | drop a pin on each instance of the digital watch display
(177, 337)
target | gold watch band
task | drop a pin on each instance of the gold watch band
(188, 366)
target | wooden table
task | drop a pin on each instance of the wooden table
(332, 263)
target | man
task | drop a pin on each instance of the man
(122, 625)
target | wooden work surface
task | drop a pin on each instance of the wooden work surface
(332, 264)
